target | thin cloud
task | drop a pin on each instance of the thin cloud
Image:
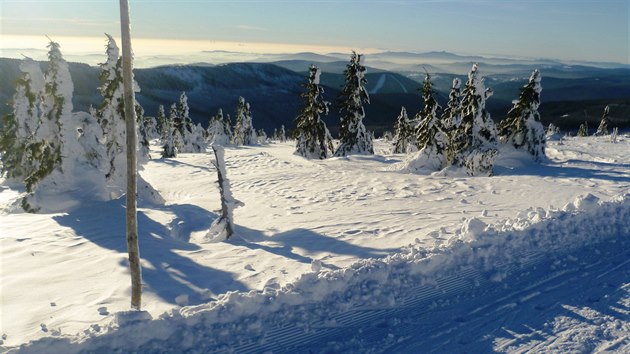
(251, 28)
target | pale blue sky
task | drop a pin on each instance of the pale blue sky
(563, 29)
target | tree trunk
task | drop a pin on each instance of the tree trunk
(224, 189)
(130, 117)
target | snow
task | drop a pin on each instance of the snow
(336, 255)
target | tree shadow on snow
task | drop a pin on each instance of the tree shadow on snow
(283, 244)
(560, 170)
(169, 274)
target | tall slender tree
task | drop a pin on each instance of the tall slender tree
(244, 132)
(474, 143)
(602, 129)
(522, 127)
(404, 134)
(19, 126)
(431, 132)
(314, 140)
(354, 138)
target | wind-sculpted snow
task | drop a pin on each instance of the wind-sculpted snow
(362, 308)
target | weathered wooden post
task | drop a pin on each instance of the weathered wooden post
(130, 117)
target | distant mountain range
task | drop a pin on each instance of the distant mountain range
(572, 92)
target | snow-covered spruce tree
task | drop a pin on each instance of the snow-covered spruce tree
(282, 134)
(602, 129)
(143, 135)
(431, 134)
(19, 126)
(197, 138)
(244, 132)
(313, 138)
(451, 116)
(474, 143)
(354, 138)
(216, 134)
(66, 167)
(169, 146)
(55, 125)
(583, 130)
(522, 127)
(160, 120)
(262, 136)
(150, 124)
(227, 128)
(184, 124)
(404, 134)
(111, 116)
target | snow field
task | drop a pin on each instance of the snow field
(341, 216)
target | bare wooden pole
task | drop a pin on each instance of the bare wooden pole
(130, 118)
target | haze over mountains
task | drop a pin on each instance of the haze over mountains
(572, 91)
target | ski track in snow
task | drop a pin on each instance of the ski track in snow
(300, 213)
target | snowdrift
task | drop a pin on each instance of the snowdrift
(284, 319)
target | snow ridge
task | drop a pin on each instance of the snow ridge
(306, 313)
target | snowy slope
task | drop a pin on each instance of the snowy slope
(334, 239)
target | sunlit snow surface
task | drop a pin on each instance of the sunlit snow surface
(341, 255)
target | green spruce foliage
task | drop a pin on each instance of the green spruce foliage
(354, 138)
(473, 144)
(404, 134)
(314, 140)
(602, 129)
(522, 127)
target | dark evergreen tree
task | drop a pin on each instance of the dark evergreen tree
(19, 126)
(473, 144)
(354, 138)
(244, 132)
(314, 140)
(404, 134)
(169, 145)
(160, 119)
(430, 132)
(522, 127)
(602, 129)
(451, 117)
(583, 130)
(216, 134)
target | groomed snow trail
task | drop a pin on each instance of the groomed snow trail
(557, 280)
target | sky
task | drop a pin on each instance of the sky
(558, 29)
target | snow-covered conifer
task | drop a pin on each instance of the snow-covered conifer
(150, 124)
(451, 117)
(431, 134)
(216, 134)
(313, 138)
(354, 138)
(160, 119)
(143, 135)
(56, 132)
(583, 130)
(282, 134)
(169, 146)
(111, 116)
(244, 132)
(522, 127)
(404, 134)
(186, 128)
(602, 129)
(474, 143)
(19, 126)
(262, 136)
